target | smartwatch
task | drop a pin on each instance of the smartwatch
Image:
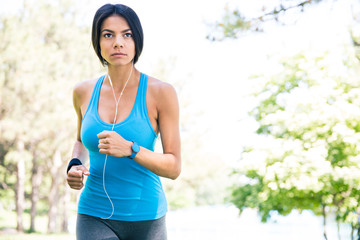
(135, 149)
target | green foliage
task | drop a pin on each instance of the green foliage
(306, 155)
(233, 22)
(44, 52)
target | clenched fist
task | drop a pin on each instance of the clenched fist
(75, 176)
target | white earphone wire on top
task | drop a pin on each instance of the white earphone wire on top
(112, 129)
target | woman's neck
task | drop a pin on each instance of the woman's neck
(120, 75)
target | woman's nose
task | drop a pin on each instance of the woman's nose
(119, 41)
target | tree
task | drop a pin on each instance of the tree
(308, 158)
(41, 59)
(236, 22)
(308, 155)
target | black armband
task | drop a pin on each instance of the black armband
(74, 161)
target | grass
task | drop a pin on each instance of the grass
(37, 236)
(8, 226)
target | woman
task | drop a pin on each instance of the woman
(119, 118)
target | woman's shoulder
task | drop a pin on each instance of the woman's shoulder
(162, 92)
(82, 91)
(84, 87)
(158, 86)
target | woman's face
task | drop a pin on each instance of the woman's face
(116, 42)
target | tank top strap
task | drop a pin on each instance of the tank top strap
(140, 102)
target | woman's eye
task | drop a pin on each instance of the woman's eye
(128, 35)
(107, 35)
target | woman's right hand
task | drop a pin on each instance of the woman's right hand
(75, 176)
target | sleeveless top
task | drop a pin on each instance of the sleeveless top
(136, 192)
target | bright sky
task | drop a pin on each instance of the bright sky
(216, 73)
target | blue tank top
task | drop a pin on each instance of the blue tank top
(136, 192)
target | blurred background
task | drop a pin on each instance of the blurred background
(270, 114)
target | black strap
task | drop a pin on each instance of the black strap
(74, 161)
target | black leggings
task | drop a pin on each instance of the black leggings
(94, 228)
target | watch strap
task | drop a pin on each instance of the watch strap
(135, 149)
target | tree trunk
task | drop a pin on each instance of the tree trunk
(36, 176)
(20, 187)
(324, 222)
(53, 200)
(54, 191)
(338, 229)
(65, 219)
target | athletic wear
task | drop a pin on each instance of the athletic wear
(136, 192)
(91, 228)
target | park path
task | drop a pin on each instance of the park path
(223, 223)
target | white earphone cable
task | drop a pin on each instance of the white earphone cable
(113, 125)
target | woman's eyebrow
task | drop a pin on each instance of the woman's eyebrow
(111, 31)
(107, 30)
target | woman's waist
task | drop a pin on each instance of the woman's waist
(122, 204)
(123, 182)
(117, 167)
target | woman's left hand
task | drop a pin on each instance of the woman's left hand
(111, 143)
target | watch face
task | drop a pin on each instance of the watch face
(135, 147)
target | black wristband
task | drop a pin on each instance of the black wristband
(74, 161)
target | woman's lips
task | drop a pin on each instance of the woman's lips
(118, 54)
